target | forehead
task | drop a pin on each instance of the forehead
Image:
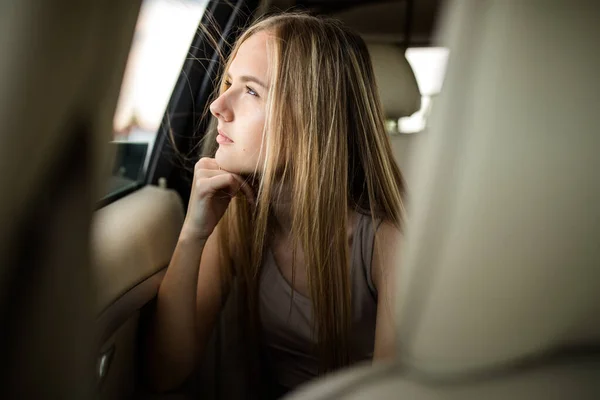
(252, 57)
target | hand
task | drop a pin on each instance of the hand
(212, 191)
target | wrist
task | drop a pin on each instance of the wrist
(190, 235)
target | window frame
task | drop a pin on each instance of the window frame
(189, 98)
(199, 74)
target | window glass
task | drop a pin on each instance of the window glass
(163, 33)
(429, 66)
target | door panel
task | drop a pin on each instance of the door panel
(132, 242)
(116, 361)
(134, 238)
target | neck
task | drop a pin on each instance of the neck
(282, 211)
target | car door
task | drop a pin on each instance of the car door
(72, 315)
(136, 230)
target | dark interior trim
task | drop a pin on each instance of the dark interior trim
(332, 7)
(184, 118)
(117, 313)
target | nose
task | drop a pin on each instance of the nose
(221, 109)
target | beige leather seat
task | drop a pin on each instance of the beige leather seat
(499, 288)
(399, 93)
(398, 88)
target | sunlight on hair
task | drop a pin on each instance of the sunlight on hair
(325, 128)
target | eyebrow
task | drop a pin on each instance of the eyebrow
(250, 78)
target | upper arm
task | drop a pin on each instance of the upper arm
(384, 265)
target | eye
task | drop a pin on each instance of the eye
(227, 83)
(251, 91)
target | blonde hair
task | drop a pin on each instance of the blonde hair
(325, 136)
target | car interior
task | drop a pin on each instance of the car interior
(499, 284)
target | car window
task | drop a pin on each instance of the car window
(163, 33)
(429, 66)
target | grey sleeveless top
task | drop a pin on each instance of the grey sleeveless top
(287, 339)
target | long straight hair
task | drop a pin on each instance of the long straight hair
(325, 136)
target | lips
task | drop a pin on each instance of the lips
(222, 138)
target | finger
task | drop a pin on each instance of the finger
(245, 188)
(231, 184)
(206, 163)
(222, 183)
(239, 183)
(209, 173)
(243, 185)
(201, 172)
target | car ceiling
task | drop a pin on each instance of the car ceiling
(377, 20)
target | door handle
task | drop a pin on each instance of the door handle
(103, 364)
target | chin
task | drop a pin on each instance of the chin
(231, 162)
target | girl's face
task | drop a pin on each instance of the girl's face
(241, 109)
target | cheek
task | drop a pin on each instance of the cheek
(251, 129)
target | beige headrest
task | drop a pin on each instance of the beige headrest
(502, 258)
(396, 81)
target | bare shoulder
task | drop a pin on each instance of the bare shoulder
(387, 233)
(386, 252)
(385, 264)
